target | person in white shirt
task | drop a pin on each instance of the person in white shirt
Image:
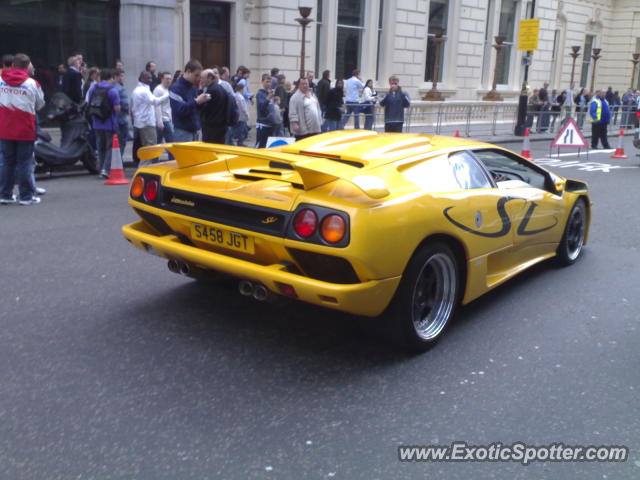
(305, 117)
(163, 109)
(352, 88)
(369, 99)
(142, 105)
(569, 102)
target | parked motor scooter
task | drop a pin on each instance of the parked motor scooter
(74, 144)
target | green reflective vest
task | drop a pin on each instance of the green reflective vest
(598, 110)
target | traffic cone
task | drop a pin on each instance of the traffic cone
(116, 174)
(526, 152)
(619, 153)
(457, 135)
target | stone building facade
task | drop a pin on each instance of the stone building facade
(380, 37)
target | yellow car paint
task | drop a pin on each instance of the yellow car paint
(377, 181)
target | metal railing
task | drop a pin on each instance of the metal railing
(487, 119)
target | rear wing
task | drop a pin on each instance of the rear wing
(313, 171)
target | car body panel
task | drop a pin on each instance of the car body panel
(372, 181)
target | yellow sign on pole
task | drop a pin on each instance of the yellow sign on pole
(528, 34)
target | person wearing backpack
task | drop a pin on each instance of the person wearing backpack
(104, 105)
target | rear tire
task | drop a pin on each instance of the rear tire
(90, 161)
(425, 300)
(572, 242)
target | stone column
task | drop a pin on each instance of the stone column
(148, 32)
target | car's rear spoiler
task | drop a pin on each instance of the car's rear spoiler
(313, 171)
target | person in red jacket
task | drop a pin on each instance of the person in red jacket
(20, 98)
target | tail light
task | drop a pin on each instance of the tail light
(151, 190)
(333, 228)
(305, 222)
(137, 188)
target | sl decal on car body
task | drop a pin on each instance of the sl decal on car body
(506, 221)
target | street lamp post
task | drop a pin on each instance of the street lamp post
(434, 95)
(596, 56)
(635, 60)
(493, 95)
(574, 54)
(304, 20)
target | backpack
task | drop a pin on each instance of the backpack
(99, 103)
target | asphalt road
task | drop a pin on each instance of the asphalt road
(111, 367)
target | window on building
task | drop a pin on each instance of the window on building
(438, 17)
(529, 13)
(318, 34)
(586, 60)
(488, 41)
(49, 31)
(506, 29)
(210, 32)
(379, 57)
(349, 36)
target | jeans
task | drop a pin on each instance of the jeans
(123, 136)
(355, 109)
(180, 135)
(240, 133)
(166, 135)
(104, 140)
(368, 116)
(16, 158)
(263, 133)
(333, 125)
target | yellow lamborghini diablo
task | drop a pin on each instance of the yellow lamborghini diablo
(397, 226)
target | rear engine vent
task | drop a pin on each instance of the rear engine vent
(324, 267)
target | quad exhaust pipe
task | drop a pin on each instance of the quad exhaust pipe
(256, 290)
(246, 288)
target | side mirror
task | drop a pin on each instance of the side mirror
(559, 185)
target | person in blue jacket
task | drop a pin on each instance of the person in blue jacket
(599, 116)
(394, 104)
(185, 102)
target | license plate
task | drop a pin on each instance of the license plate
(223, 238)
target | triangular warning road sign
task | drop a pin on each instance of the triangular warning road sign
(569, 135)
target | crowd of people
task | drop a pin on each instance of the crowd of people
(212, 105)
(600, 108)
(190, 104)
(545, 109)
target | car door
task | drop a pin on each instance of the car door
(538, 220)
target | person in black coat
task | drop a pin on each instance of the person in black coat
(214, 115)
(334, 108)
(72, 80)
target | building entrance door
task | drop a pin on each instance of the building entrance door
(210, 32)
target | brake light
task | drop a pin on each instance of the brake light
(138, 187)
(333, 228)
(151, 190)
(637, 114)
(305, 222)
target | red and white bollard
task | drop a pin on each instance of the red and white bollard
(116, 174)
(619, 153)
(526, 149)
